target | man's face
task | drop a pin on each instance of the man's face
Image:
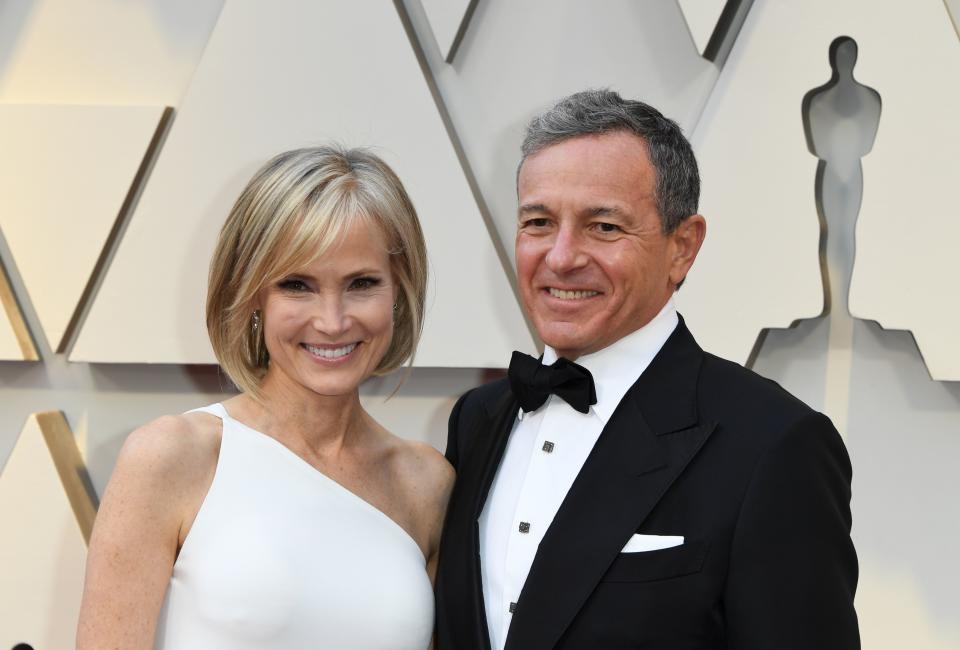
(592, 260)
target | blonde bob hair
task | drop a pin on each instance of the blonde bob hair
(293, 210)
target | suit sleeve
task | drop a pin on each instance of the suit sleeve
(453, 443)
(793, 568)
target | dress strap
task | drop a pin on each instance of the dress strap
(216, 410)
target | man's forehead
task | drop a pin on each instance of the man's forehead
(591, 145)
(606, 208)
(601, 186)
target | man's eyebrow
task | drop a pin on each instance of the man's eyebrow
(539, 208)
(603, 210)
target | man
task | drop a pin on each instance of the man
(650, 495)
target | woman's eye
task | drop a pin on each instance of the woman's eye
(293, 285)
(364, 283)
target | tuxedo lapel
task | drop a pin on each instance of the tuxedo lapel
(491, 442)
(475, 478)
(645, 446)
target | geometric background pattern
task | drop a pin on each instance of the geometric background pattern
(448, 22)
(906, 269)
(758, 176)
(257, 92)
(44, 549)
(510, 60)
(16, 343)
(701, 17)
(56, 218)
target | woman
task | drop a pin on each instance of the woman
(285, 517)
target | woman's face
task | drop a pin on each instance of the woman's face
(327, 326)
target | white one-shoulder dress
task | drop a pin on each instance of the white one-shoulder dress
(282, 557)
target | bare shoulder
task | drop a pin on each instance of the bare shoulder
(427, 481)
(426, 467)
(417, 471)
(164, 469)
(159, 480)
(172, 447)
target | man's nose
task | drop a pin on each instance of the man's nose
(566, 252)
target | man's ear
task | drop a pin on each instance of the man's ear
(686, 240)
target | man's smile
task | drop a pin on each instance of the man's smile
(572, 294)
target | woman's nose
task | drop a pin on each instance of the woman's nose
(330, 317)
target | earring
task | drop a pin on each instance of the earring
(257, 349)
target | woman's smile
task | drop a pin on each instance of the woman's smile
(332, 354)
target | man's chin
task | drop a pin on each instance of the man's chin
(567, 346)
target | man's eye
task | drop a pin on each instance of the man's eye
(607, 227)
(536, 223)
(293, 285)
(364, 283)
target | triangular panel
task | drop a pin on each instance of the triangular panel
(760, 264)
(65, 172)
(275, 76)
(702, 17)
(448, 21)
(42, 550)
(714, 25)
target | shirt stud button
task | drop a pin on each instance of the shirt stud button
(524, 527)
(548, 447)
(513, 607)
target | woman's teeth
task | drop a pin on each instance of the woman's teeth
(571, 295)
(330, 353)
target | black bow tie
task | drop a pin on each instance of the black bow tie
(532, 383)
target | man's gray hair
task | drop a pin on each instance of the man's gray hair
(595, 112)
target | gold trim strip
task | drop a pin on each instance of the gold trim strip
(71, 468)
(9, 301)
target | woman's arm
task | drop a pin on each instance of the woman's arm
(160, 479)
(442, 477)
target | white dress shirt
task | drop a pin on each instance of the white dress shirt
(545, 452)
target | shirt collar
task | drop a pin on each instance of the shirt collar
(616, 367)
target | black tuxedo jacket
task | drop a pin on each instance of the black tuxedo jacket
(756, 482)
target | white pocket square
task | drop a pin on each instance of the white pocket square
(640, 543)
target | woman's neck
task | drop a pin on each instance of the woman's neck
(292, 413)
